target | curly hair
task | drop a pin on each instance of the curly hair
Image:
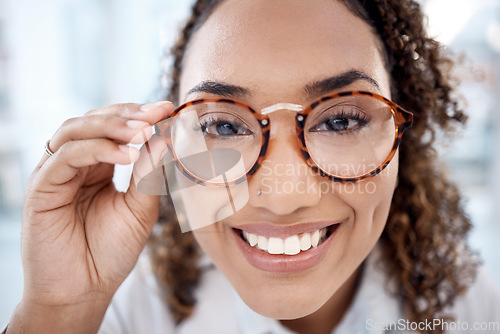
(424, 241)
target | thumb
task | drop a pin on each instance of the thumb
(147, 182)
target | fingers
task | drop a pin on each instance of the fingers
(150, 113)
(117, 128)
(100, 137)
(122, 123)
(74, 155)
(147, 180)
(148, 176)
(125, 123)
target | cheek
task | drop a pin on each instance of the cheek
(216, 243)
(371, 201)
(203, 205)
(206, 239)
(211, 239)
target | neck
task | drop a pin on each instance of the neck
(324, 320)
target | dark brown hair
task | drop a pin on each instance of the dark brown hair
(424, 241)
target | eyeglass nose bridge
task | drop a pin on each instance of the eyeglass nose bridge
(281, 106)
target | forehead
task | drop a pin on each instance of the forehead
(280, 44)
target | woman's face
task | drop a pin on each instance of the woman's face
(277, 51)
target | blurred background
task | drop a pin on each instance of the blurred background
(61, 58)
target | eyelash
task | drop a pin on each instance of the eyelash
(357, 116)
(202, 125)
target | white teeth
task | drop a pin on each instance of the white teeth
(275, 246)
(262, 242)
(292, 245)
(252, 239)
(305, 241)
(315, 239)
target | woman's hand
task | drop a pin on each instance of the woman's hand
(80, 236)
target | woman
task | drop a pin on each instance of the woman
(384, 241)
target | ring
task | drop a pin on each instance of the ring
(47, 149)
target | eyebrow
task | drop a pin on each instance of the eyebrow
(319, 88)
(219, 88)
(314, 89)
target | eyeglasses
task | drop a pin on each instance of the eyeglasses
(346, 137)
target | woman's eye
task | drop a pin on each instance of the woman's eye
(338, 124)
(224, 129)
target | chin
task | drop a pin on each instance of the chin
(288, 304)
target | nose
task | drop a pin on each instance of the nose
(284, 183)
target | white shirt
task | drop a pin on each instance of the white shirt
(138, 308)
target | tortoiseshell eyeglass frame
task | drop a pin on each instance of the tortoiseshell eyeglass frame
(403, 120)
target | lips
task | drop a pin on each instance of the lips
(278, 250)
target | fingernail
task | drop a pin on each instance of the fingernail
(131, 151)
(124, 148)
(134, 124)
(151, 106)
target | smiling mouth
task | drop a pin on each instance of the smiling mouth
(291, 245)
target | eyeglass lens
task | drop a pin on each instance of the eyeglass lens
(216, 140)
(350, 136)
